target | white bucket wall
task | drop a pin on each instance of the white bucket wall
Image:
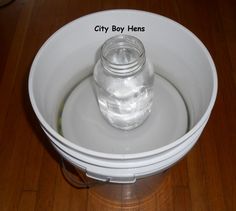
(68, 57)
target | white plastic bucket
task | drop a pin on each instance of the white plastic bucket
(68, 57)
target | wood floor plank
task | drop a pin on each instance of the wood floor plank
(13, 173)
(47, 183)
(224, 153)
(27, 201)
(179, 173)
(33, 164)
(227, 15)
(227, 18)
(62, 194)
(8, 20)
(78, 199)
(226, 108)
(181, 192)
(213, 173)
(14, 147)
(182, 200)
(164, 196)
(197, 179)
(13, 60)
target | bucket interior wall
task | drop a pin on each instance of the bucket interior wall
(69, 56)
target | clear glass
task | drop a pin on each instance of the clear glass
(124, 82)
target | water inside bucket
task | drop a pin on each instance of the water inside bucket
(81, 122)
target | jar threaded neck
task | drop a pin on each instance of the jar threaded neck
(123, 55)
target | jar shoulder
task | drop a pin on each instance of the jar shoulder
(144, 76)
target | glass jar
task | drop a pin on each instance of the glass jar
(124, 82)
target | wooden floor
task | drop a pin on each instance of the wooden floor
(30, 176)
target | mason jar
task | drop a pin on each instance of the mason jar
(124, 82)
